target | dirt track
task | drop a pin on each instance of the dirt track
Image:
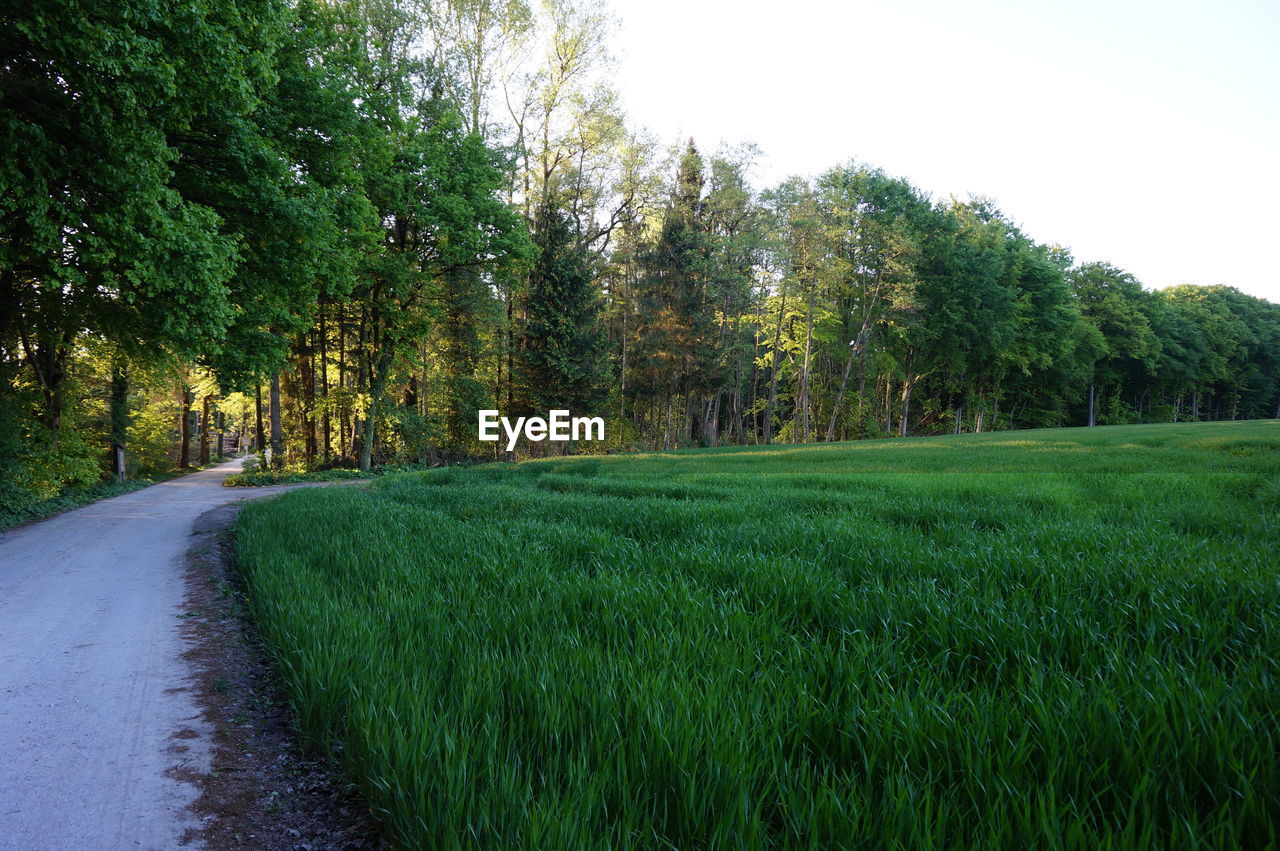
(100, 734)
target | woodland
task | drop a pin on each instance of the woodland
(340, 229)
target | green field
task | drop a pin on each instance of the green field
(1061, 638)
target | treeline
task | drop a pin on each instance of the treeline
(852, 306)
(341, 228)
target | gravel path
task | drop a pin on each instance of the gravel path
(99, 730)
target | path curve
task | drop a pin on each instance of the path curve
(98, 720)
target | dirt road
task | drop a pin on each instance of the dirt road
(98, 726)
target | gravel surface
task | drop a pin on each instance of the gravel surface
(101, 734)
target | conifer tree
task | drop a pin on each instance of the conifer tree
(564, 362)
(675, 317)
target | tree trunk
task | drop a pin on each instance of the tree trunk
(907, 386)
(327, 421)
(277, 430)
(377, 385)
(366, 444)
(48, 362)
(844, 380)
(307, 375)
(511, 350)
(261, 435)
(204, 432)
(1093, 420)
(804, 386)
(119, 419)
(710, 413)
(344, 418)
(888, 404)
(773, 373)
(666, 434)
(362, 381)
(688, 409)
(184, 428)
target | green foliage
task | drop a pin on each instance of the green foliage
(96, 238)
(674, 317)
(254, 478)
(564, 362)
(1058, 638)
(38, 462)
(151, 435)
(19, 508)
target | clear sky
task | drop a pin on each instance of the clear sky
(1145, 134)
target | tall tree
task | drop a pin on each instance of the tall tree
(564, 362)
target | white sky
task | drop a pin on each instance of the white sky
(1145, 134)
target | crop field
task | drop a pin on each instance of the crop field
(1062, 638)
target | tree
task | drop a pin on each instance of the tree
(1116, 305)
(96, 239)
(564, 362)
(675, 318)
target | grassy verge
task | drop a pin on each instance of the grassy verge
(1065, 638)
(289, 476)
(66, 501)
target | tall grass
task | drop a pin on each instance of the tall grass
(1064, 638)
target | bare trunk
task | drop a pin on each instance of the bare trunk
(343, 419)
(755, 390)
(119, 419)
(309, 396)
(666, 435)
(327, 422)
(804, 385)
(622, 371)
(184, 427)
(261, 431)
(204, 432)
(48, 363)
(366, 445)
(511, 349)
(888, 405)
(687, 426)
(1092, 405)
(737, 424)
(710, 419)
(277, 430)
(422, 384)
(362, 375)
(907, 387)
(844, 380)
(773, 373)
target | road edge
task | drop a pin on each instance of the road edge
(264, 790)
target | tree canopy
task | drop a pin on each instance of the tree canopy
(342, 228)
